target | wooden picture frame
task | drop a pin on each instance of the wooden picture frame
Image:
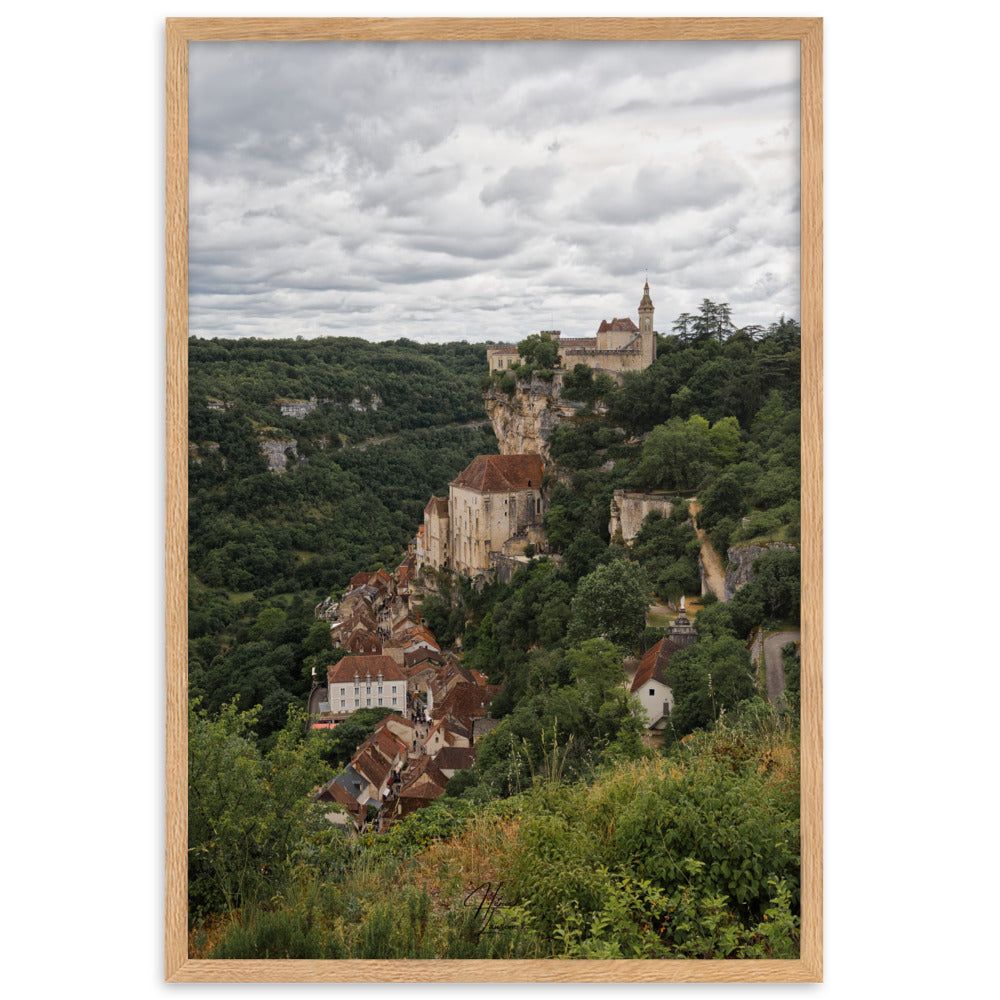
(181, 31)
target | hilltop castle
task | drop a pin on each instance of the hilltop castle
(618, 346)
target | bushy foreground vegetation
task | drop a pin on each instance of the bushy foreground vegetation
(690, 855)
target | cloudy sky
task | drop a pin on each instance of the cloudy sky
(478, 191)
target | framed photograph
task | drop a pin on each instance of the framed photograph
(494, 500)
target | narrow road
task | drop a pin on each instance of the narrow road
(363, 445)
(772, 662)
(715, 573)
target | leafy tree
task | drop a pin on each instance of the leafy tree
(706, 679)
(248, 814)
(723, 499)
(574, 713)
(675, 455)
(725, 442)
(539, 351)
(611, 602)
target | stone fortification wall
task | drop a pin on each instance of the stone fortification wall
(613, 361)
(629, 510)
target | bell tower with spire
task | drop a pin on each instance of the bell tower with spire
(646, 327)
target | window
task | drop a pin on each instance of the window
(652, 691)
(380, 701)
(357, 702)
(394, 701)
(368, 702)
(380, 691)
(394, 689)
(342, 691)
(343, 704)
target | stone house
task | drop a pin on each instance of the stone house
(494, 505)
(433, 540)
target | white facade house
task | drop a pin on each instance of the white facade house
(366, 682)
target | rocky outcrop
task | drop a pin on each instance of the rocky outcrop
(739, 570)
(524, 421)
(629, 510)
(297, 407)
(277, 453)
(373, 404)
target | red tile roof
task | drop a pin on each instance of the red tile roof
(371, 765)
(438, 506)
(455, 758)
(396, 720)
(387, 743)
(413, 659)
(467, 701)
(617, 326)
(654, 663)
(499, 473)
(334, 792)
(344, 671)
(426, 782)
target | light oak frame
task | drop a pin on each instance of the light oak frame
(179, 32)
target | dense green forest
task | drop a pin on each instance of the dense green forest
(605, 846)
(264, 547)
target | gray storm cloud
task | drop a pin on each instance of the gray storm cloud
(486, 190)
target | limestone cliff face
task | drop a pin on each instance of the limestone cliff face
(739, 571)
(524, 422)
(276, 453)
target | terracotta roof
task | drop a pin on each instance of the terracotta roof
(387, 743)
(654, 663)
(362, 643)
(455, 758)
(397, 720)
(335, 792)
(360, 579)
(413, 659)
(468, 700)
(345, 670)
(499, 473)
(618, 326)
(371, 765)
(426, 782)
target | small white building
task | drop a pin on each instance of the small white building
(650, 682)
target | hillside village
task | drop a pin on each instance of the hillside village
(490, 522)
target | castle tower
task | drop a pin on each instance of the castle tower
(646, 327)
